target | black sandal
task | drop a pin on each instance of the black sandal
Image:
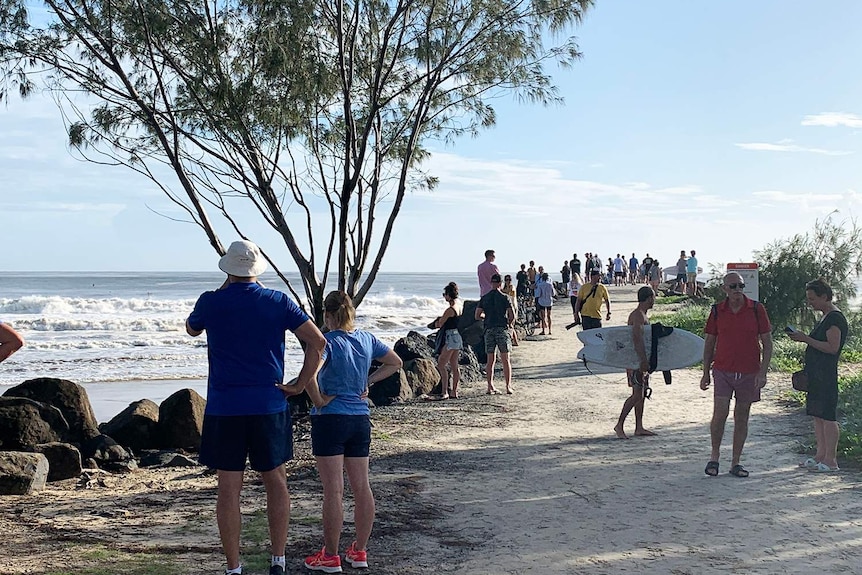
(711, 468)
(738, 471)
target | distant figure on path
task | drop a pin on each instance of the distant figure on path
(566, 272)
(590, 300)
(691, 275)
(499, 318)
(634, 264)
(10, 341)
(681, 274)
(485, 270)
(738, 349)
(545, 302)
(654, 275)
(575, 264)
(638, 378)
(619, 271)
(246, 412)
(521, 279)
(574, 287)
(531, 277)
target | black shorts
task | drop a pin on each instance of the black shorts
(620, 274)
(588, 322)
(681, 277)
(347, 435)
(227, 440)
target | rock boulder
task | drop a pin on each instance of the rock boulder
(136, 426)
(64, 460)
(22, 473)
(181, 420)
(70, 398)
(25, 423)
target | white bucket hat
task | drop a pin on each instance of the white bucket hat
(243, 259)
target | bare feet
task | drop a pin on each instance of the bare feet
(492, 391)
(644, 432)
(620, 433)
(509, 391)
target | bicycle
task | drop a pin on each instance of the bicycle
(527, 317)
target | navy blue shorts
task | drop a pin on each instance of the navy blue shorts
(266, 440)
(347, 435)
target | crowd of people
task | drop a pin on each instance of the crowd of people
(248, 422)
(737, 347)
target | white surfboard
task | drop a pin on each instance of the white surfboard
(613, 347)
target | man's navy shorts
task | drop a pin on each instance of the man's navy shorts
(347, 435)
(266, 440)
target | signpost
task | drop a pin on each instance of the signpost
(749, 273)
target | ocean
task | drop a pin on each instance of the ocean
(103, 329)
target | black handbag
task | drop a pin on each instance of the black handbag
(799, 380)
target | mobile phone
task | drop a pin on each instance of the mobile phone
(790, 329)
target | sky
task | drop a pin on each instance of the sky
(714, 126)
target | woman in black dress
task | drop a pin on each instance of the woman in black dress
(821, 364)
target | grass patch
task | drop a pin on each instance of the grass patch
(106, 561)
(380, 435)
(690, 317)
(255, 542)
(671, 299)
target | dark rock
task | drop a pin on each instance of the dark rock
(167, 459)
(181, 420)
(422, 376)
(70, 398)
(25, 423)
(136, 426)
(469, 366)
(108, 454)
(64, 460)
(22, 473)
(390, 390)
(90, 463)
(472, 330)
(413, 346)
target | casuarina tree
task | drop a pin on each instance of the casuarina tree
(832, 250)
(311, 116)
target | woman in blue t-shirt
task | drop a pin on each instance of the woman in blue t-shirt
(341, 428)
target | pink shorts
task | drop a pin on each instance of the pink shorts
(742, 385)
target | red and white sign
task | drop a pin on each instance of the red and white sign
(748, 271)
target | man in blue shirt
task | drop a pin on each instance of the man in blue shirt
(246, 414)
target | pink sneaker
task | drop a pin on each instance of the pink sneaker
(357, 559)
(321, 562)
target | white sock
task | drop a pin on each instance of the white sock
(237, 571)
(278, 561)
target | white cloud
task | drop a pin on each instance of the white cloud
(786, 146)
(833, 119)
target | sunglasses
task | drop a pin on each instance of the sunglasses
(734, 286)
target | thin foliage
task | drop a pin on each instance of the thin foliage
(312, 115)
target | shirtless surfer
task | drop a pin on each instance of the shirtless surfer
(638, 378)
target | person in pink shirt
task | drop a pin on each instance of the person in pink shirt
(485, 270)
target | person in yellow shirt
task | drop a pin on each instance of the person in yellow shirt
(590, 299)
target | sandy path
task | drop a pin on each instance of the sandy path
(552, 490)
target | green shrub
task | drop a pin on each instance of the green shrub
(690, 317)
(787, 355)
(850, 417)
